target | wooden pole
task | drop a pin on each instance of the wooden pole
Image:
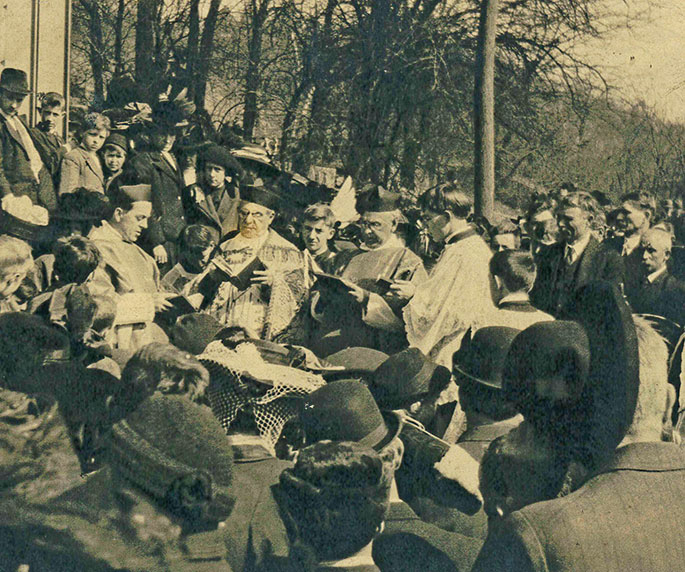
(484, 111)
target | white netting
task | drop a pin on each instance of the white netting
(243, 381)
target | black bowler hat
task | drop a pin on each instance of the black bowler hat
(261, 195)
(579, 375)
(14, 81)
(407, 377)
(345, 410)
(378, 200)
(481, 356)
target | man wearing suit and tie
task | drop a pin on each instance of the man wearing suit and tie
(578, 259)
(214, 200)
(22, 171)
(656, 291)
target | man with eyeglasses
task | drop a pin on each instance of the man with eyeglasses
(380, 277)
(276, 282)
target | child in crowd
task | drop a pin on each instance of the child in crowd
(15, 262)
(81, 167)
(49, 143)
(114, 155)
(196, 245)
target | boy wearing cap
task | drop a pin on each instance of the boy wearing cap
(214, 200)
(22, 170)
(114, 154)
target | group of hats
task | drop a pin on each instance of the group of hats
(586, 362)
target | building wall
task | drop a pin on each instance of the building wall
(21, 22)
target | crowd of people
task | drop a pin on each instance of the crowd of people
(195, 378)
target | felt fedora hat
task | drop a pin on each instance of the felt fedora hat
(356, 362)
(481, 356)
(579, 376)
(345, 410)
(14, 81)
(406, 377)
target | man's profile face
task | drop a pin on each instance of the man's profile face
(633, 218)
(131, 223)
(315, 235)
(656, 249)
(10, 102)
(574, 224)
(254, 220)
(377, 228)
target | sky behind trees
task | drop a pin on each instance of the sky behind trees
(646, 61)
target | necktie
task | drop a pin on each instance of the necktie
(568, 255)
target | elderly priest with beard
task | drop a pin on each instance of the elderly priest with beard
(377, 280)
(257, 280)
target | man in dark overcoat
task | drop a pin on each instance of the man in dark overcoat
(22, 171)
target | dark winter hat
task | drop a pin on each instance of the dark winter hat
(407, 377)
(116, 140)
(357, 361)
(219, 156)
(261, 195)
(177, 452)
(481, 356)
(193, 332)
(579, 375)
(167, 114)
(14, 81)
(345, 410)
(82, 205)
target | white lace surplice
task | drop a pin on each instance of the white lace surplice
(457, 296)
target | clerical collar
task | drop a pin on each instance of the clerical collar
(654, 275)
(461, 235)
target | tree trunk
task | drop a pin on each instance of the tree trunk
(119, 38)
(205, 54)
(484, 112)
(145, 44)
(253, 75)
(192, 59)
(96, 52)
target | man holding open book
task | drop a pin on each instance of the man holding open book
(257, 280)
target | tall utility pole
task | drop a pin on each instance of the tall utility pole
(484, 111)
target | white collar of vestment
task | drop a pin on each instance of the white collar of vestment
(241, 241)
(654, 275)
(105, 232)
